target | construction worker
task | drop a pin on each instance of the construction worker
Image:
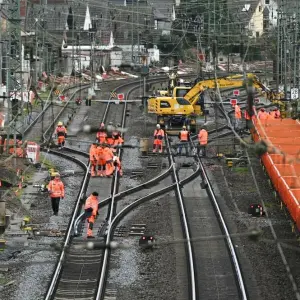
(61, 133)
(91, 212)
(237, 115)
(101, 134)
(203, 139)
(108, 158)
(117, 136)
(101, 160)
(109, 139)
(93, 158)
(56, 189)
(184, 137)
(275, 113)
(262, 114)
(117, 164)
(158, 139)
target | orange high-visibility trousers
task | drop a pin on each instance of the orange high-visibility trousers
(91, 221)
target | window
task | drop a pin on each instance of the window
(164, 104)
(181, 92)
(182, 101)
(257, 34)
(267, 1)
(259, 8)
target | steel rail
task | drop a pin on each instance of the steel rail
(184, 222)
(68, 235)
(225, 229)
(46, 108)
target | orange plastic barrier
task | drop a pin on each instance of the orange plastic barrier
(283, 169)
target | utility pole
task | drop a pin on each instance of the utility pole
(14, 80)
(278, 62)
(132, 27)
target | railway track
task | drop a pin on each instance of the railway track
(206, 259)
(77, 265)
(81, 271)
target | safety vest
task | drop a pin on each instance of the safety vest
(159, 134)
(246, 115)
(92, 202)
(107, 155)
(262, 115)
(184, 135)
(203, 137)
(93, 152)
(56, 188)
(61, 131)
(238, 114)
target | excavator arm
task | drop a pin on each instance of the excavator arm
(227, 82)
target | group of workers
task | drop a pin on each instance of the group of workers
(103, 156)
(261, 115)
(184, 140)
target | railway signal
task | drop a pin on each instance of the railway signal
(236, 92)
(121, 97)
(233, 102)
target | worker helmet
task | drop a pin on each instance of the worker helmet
(110, 123)
(57, 175)
(95, 194)
(183, 127)
(158, 126)
(276, 108)
(60, 124)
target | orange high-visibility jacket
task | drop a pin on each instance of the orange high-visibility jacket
(56, 188)
(92, 202)
(93, 153)
(246, 115)
(100, 155)
(262, 115)
(107, 154)
(237, 112)
(184, 135)
(61, 131)
(202, 137)
(158, 134)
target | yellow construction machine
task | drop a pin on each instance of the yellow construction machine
(182, 104)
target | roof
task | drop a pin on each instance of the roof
(243, 9)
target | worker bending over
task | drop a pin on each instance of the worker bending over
(91, 212)
(184, 137)
(56, 190)
(203, 139)
(61, 133)
(117, 136)
(158, 139)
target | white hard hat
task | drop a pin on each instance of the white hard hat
(157, 126)
(115, 158)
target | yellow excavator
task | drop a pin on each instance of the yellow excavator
(182, 104)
